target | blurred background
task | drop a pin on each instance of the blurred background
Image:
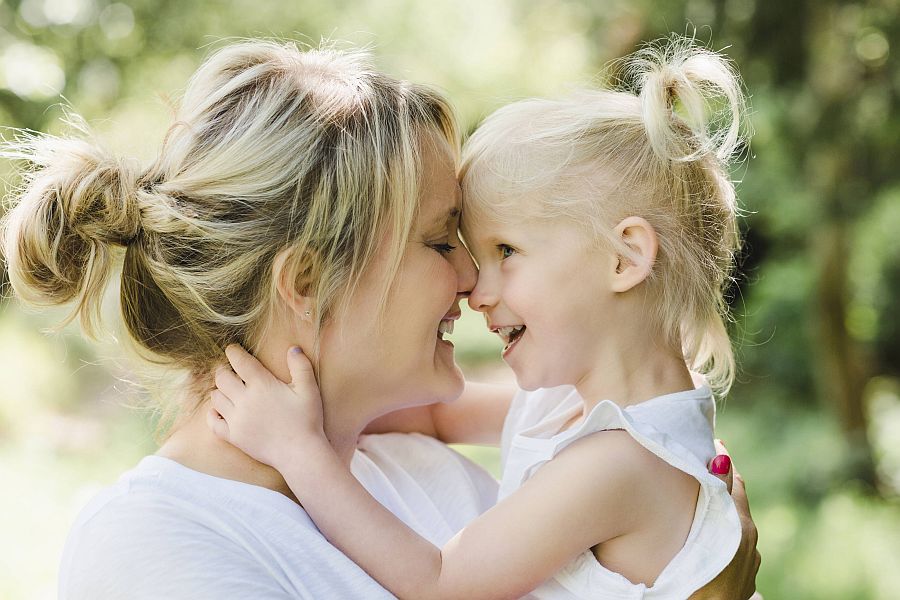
(814, 420)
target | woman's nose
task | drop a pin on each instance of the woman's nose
(466, 272)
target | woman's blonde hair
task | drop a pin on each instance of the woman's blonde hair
(658, 147)
(312, 153)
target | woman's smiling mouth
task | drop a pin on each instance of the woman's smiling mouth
(446, 324)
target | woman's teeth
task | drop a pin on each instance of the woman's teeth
(446, 326)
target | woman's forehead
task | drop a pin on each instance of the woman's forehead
(440, 198)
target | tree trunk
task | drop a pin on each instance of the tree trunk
(840, 367)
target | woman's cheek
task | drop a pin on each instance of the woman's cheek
(441, 277)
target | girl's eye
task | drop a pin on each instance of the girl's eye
(443, 248)
(505, 251)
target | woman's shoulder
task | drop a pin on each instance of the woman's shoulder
(160, 489)
(137, 529)
(164, 531)
(128, 535)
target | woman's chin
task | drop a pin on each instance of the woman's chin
(455, 385)
(451, 381)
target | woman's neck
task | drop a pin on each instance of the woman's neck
(193, 444)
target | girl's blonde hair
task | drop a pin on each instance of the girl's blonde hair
(314, 154)
(658, 147)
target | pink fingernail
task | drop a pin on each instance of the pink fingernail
(721, 464)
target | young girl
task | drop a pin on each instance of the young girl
(604, 227)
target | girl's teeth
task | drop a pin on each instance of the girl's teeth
(445, 327)
(505, 332)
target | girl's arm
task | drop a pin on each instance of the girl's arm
(476, 417)
(506, 552)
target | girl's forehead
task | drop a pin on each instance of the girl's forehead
(490, 229)
(499, 211)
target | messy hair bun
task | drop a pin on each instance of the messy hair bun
(691, 100)
(77, 205)
(281, 164)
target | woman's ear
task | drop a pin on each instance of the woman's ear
(640, 238)
(291, 282)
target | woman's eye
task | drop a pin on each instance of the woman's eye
(505, 251)
(443, 248)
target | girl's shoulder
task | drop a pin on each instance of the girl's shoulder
(607, 469)
(617, 456)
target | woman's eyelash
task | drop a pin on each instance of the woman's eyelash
(443, 248)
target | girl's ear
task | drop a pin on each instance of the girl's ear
(293, 279)
(640, 238)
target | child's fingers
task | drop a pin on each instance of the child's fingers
(230, 384)
(301, 369)
(217, 423)
(222, 404)
(245, 364)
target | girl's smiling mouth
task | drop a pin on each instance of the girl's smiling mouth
(510, 334)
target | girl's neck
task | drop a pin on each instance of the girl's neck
(631, 375)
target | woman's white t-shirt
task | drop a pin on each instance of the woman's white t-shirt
(166, 531)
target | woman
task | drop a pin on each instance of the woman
(300, 198)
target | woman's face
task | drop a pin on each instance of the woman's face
(373, 364)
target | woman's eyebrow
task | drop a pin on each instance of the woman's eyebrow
(444, 218)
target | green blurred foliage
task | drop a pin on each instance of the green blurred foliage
(824, 83)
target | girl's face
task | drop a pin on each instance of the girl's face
(544, 289)
(398, 358)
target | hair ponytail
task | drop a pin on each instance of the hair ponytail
(693, 108)
(706, 88)
(76, 204)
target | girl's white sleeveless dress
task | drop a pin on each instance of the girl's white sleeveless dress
(676, 427)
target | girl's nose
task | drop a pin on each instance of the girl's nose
(483, 296)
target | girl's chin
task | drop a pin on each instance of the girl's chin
(527, 381)
(529, 386)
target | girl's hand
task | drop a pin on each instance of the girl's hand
(268, 419)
